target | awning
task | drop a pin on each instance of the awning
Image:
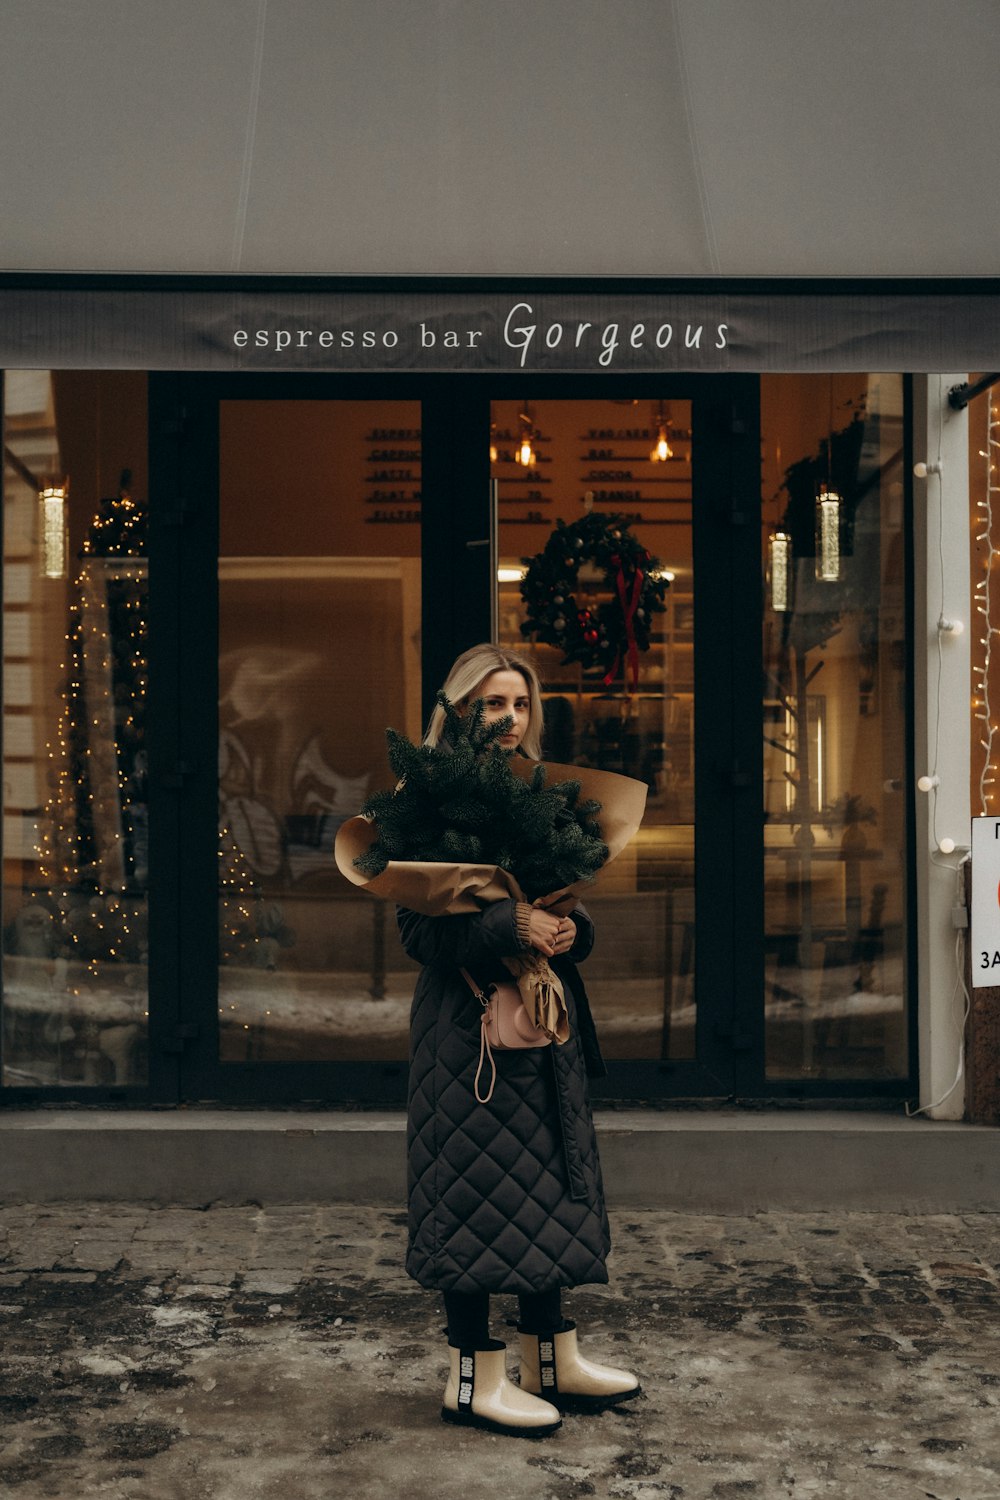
(790, 138)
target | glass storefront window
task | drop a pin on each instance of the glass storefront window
(75, 844)
(319, 651)
(834, 731)
(598, 456)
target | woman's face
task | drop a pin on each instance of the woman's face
(505, 695)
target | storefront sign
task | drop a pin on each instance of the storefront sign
(984, 937)
(591, 329)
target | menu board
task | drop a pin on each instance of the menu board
(392, 477)
(592, 455)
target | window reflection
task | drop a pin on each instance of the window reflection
(319, 614)
(75, 833)
(632, 459)
(834, 727)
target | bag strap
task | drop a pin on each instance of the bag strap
(485, 1050)
(485, 1055)
(480, 994)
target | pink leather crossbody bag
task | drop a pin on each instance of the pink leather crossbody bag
(505, 1026)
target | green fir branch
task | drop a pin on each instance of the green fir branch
(459, 801)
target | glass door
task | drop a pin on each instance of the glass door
(319, 650)
(619, 531)
(296, 556)
(586, 489)
(333, 558)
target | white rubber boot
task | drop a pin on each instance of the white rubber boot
(478, 1394)
(552, 1366)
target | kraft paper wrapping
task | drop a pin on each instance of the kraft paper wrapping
(435, 887)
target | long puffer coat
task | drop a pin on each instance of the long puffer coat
(505, 1196)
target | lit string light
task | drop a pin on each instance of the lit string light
(80, 845)
(981, 706)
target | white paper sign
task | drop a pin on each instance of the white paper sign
(984, 936)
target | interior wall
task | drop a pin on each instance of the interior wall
(320, 478)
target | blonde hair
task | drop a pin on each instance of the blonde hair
(470, 671)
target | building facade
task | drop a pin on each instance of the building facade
(240, 552)
(315, 321)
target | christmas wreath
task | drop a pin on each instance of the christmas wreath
(617, 629)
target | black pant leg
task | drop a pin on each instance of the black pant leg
(468, 1315)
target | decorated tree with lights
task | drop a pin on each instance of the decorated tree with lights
(90, 903)
(93, 837)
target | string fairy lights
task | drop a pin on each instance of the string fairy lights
(91, 843)
(982, 708)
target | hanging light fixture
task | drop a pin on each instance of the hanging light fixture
(661, 449)
(828, 513)
(525, 454)
(829, 508)
(54, 549)
(494, 450)
(779, 566)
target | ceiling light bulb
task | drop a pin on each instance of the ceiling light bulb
(779, 567)
(828, 519)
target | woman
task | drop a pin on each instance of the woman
(504, 1196)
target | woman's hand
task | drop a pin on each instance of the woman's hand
(549, 934)
(560, 902)
(567, 935)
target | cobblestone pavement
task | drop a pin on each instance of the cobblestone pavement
(249, 1353)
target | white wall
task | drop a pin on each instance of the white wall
(942, 730)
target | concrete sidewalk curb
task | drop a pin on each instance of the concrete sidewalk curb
(725, 1162)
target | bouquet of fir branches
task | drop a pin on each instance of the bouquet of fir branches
(468, 824)
(460, 802)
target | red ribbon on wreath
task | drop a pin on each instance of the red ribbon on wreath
(629, 607)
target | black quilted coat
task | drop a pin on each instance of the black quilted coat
(504, 1196)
